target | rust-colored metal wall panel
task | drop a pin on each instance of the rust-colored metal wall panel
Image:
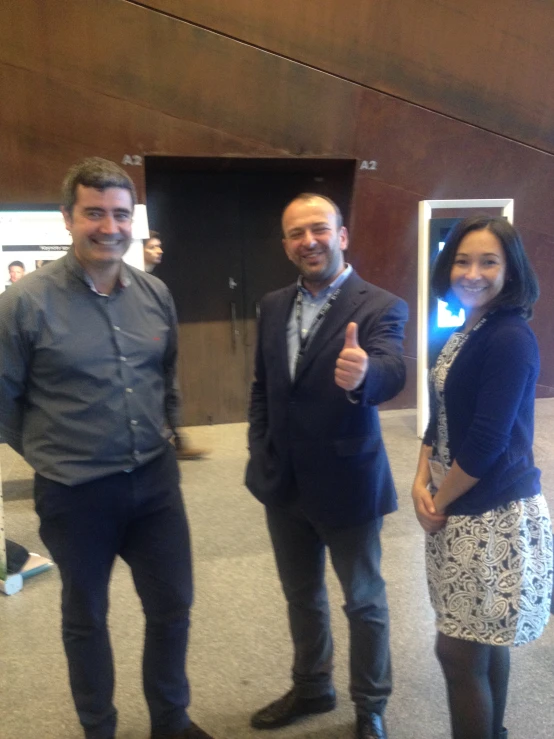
(383, 243)
(111, 78)
(436, 157)
(46, 125)
(141, 56)
(487, 63)
(540, 248)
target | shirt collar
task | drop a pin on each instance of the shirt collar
(75, 267)
(330, 288)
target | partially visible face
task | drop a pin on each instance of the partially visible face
(312, 241)
(153, 251)
(479, 270)
(100, 225)
(16, 273)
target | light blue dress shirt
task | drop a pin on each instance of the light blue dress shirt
(311, 305)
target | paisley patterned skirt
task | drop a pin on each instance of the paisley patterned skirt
(490, 576)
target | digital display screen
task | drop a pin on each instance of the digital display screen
(445, 317)
(442, 321)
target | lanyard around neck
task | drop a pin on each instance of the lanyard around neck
(305, 341)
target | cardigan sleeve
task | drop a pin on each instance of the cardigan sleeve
(507, 379)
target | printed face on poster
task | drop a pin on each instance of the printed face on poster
(30, 240)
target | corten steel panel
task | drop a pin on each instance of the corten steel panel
(436, 157)
(488, 63)
(46, 125)
(383, 243)
(384, 250)
(540, 249)
(74, 85)
(144, 57)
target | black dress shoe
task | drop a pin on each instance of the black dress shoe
(370, 726)
(191, 732)
(291, 706)
(195, 732)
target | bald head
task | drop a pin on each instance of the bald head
(313, 240)
(307, 197)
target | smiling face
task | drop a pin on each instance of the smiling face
(100, 225)
(479, 271)
(313, 242)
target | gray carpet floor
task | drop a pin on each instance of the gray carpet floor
(239, 656)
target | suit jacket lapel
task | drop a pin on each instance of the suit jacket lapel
(351, 295)
(281, 318)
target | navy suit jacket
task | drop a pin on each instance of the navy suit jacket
(306, 438)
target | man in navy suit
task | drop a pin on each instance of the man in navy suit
(329, 350)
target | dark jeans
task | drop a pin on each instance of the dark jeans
(140, 516)
(299, 546)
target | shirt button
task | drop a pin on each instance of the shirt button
(128, 389)
(123, 359)
(134, 423)
(116, 328)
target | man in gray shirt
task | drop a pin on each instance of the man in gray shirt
(88, 395)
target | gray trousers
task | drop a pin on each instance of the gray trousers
(299, 547)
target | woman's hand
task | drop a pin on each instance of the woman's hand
(425, 511)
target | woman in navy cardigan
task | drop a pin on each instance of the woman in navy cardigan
(477, 490)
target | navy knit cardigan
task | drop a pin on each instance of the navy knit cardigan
(490, 400)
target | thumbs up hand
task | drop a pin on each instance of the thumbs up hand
(352, 362)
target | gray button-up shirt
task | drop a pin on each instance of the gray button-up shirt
(87, 381)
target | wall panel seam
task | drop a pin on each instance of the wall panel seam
(321, 70)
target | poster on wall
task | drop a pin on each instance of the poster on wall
(31, 239)
(17, 261)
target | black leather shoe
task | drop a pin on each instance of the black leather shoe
(370, 726)
(191, 732)
(287, 709)
(195, 732)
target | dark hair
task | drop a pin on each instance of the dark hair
(151, 235)
(312, 196)
(521, 288)
(98, 173)
(17, 263)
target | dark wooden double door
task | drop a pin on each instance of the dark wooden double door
(219, 221)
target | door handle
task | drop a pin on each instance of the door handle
(235, 333)
(257, 304)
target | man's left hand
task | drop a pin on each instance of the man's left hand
(352, 362)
